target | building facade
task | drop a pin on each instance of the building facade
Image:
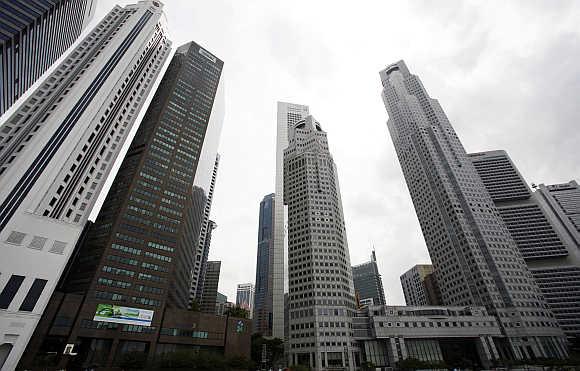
(245, 297)
(368, 283)
(57, 150)
(211, 225)
(210, 288)
(543, 227)
(207, 226)
(457, 336)
(27, 29)
(475, 257)
(420, 286)
(321, 292)
(139, 253)
(562, 202)
(262, 313)
(287, 115)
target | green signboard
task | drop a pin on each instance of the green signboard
(126, 315)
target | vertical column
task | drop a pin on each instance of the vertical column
(394, 352)
(492, 348)
(403, 348)
(483, 352)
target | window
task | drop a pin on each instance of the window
(33, 294)
(10, 291)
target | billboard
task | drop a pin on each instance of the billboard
(126, 315)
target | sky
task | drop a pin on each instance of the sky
(507, 75)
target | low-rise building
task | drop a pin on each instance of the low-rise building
(454, 335)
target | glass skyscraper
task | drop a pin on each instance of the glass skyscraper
(368, 284)
(262, 313)
(245, 297)
(475, 257)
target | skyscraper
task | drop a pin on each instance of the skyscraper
(544, 231)
(287, 115)
(210, 288)
(420, 286)
(57, 150)
(535, 236)
(245, 297)
(367, 281)
(139, 253)
(562, 202)
(211, 225)
(33, 35)
(262, 312)
(473, 253)
(207, 226)
(321, 292)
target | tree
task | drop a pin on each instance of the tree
(191, 360)
(274, 350)
(238, 312)
(194, 306)
(133, 361)
(368, 366)
(411, 364)
(299, 368)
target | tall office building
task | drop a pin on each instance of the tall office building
(33, 35)
(139, 253)
(476, 259)
(207, 226)
(535, 236)
(262, 312)
(221, 304)
(211, 225)
(544, 230)
(321, 293)
(562, 202)
(287, 115)
(245, 297)
(368, 283)
(420, 286)
(209, 296)
(57, 150)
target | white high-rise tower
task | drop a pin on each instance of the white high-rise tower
(321, 300)
(475, 258)
(288, 115)
(57, 150)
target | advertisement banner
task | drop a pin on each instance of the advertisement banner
(126, 315)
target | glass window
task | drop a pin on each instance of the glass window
(10, 291)
(33, 295)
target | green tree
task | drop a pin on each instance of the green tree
(299, 368)
(411, 364)
(194, 306)
(133, 361)
(238, 312)
(274, 351)
(239, 363)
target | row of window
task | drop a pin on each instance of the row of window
(11, 289)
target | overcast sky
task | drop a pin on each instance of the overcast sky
(506, 73)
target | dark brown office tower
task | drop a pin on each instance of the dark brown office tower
(210, 287)
(135, 265)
